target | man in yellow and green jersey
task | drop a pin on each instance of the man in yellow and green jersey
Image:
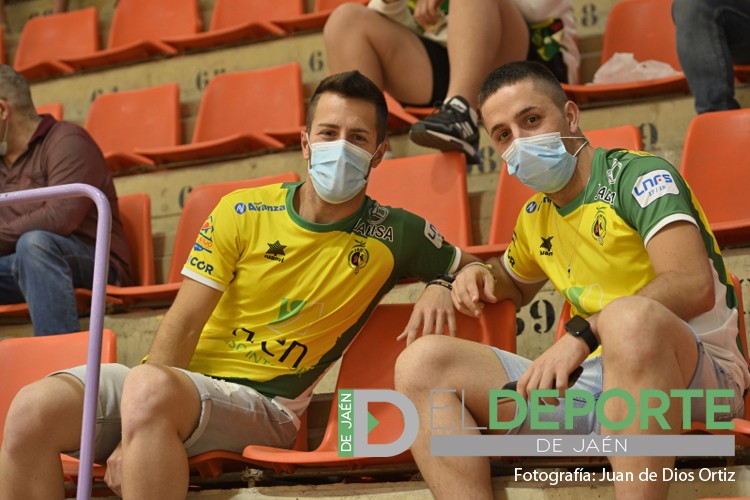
(278, 283)
(622, 237)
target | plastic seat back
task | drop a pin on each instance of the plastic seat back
(198, 205)
(716, 165)
(26, 360)
(250, 102)
(47, 39)
(120, 122)
(139, 20)
(655, 37)
(231, 13)
(135, 214)
(511, 194)
(432, 186)
(54, 108)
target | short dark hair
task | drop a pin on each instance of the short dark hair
(355, 85)
(15, 89)
(510, 74)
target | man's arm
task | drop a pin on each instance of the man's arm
(476, 285)
(684, 278)
(178, 333)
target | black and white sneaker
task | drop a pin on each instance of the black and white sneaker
(452, 128)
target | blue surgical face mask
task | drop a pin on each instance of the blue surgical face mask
(338, 170)
(541, 162)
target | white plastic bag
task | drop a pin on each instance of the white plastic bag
(622, 67)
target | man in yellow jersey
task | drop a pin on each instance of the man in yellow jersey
(621, 237)
(278, 283)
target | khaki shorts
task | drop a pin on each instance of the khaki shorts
(232, 416)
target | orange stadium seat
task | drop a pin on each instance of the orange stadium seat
(3, 58)
(243, 112)
(120, 122)
(511, 194)
(135, 214)
(26, 360)
(715, 164)
(654, 39)
(742, 72)
(138, 27)
(368, 363)
(398, 116)
(432, 186)
(54, 108)
(199, 204)
(312, 20)
(235, 21)
(46, 40)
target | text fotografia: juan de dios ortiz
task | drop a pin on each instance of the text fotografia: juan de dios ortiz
(665, 474)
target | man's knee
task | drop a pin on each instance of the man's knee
(631, 329)
(46, 412)
(154, 393)
(422, 361)
(347, 18)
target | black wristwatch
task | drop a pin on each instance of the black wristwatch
(448, 278)
(579, 327)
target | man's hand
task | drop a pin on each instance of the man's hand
(474, 286)
(113, 476)
(552, 369)
(433, 311)
(427, 12)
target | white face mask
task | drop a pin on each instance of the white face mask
(338, 170)
(541, 162)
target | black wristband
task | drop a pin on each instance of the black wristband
(442, 283)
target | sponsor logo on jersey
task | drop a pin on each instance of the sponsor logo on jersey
(201, 265)
(358, 256)
(377, 214)
(275, 251)
(605, 194)
(614, 170)
(374, 230)
(432, 234)
(652, 186)
(531, 207)
(546, 246)
(258, 206)
(204, 242)
(599, 227)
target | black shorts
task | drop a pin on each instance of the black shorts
(441, 68)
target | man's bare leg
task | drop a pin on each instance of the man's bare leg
(43, 421)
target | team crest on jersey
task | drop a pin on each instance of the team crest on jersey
(205, 241)
(358, 256)
(599, 227)
(531, 207)
(377, 214)
(546, 247)
(652, 186)
(614, 171)
(276, 251)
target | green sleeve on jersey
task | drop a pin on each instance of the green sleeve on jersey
(651, 190)
(424, 253)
